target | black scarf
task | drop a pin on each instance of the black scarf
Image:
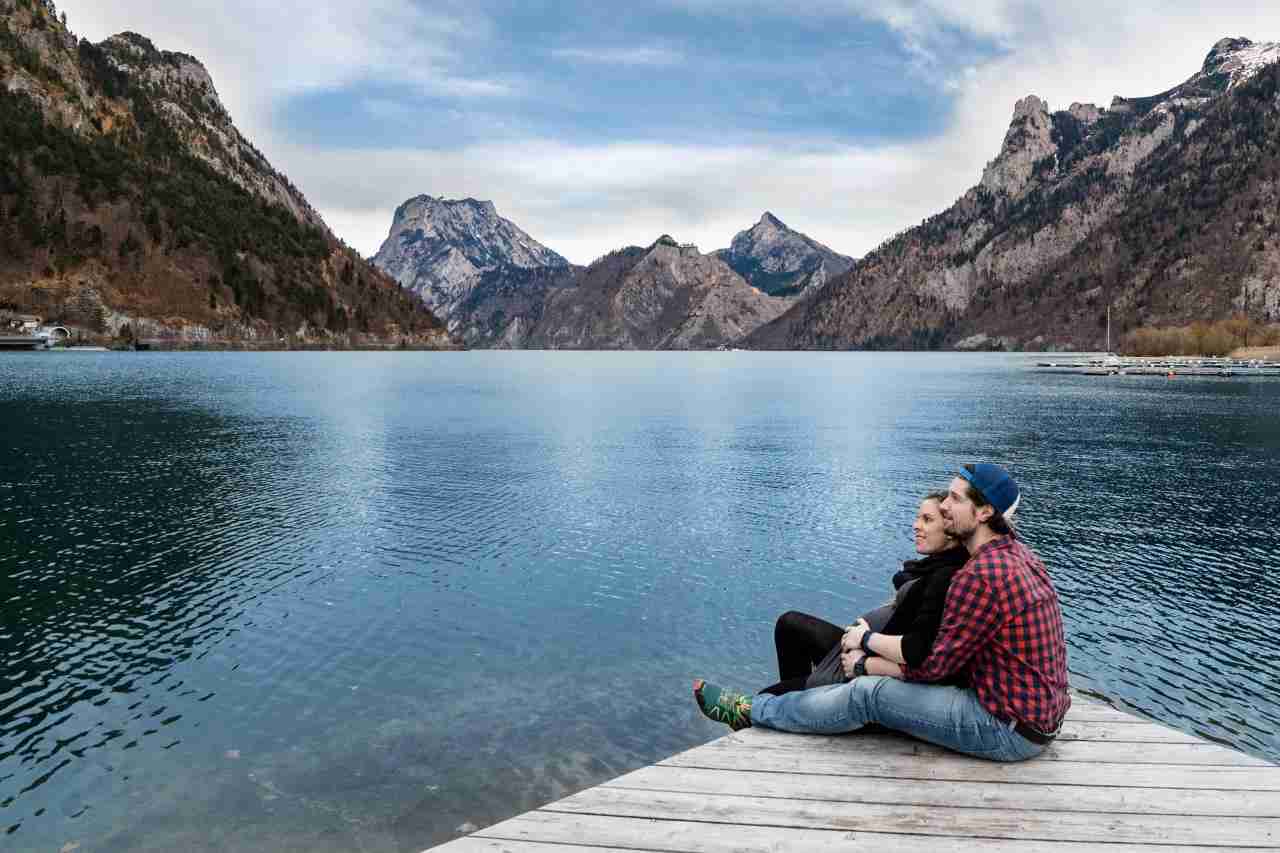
(914, 569)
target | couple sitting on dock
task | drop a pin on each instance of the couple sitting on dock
(970, 654)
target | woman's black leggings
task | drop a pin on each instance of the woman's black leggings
(802, 641)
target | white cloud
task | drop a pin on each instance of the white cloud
(469, 87)
(583, 201)
(633, 56)
(925, 20)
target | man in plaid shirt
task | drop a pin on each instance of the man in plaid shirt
(1001, 632)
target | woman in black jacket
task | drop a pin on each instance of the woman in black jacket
(809, 648)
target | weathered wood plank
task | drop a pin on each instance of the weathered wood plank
(480, 844)
(1110, 778)
(960, 768)
(1126, 732)
(681, 836)
(933, 821)
(1091, 709)
(1102, 714)
(858, 744)
(991, 795)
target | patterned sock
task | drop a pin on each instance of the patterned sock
(723, 706)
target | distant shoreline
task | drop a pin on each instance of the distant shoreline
(1259, 353)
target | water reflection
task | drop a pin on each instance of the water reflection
(354, 601)
(120, 526)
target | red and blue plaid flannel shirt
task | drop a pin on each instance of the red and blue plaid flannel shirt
(1002, 629)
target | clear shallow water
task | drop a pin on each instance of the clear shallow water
(353, 601)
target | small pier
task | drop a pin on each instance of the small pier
(1111, 781)
(21, 342)
(1120, 366)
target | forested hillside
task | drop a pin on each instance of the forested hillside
(130, 204)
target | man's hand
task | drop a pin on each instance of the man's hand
(848, 659)
(853, 635)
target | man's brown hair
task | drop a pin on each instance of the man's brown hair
(997, 522)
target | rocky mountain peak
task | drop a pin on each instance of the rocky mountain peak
(1030, 107)
(132, 42)
(475, 228)
(443, 248)
(137, 55)
(1222, 51)
(769, 227)
(442, 205)
(184, 97)
(667, 251)
(779, 261)
(1085, 113)
(1028, 141)
(1240, 58)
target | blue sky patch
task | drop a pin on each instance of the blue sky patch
(594, 73)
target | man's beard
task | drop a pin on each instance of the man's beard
(959, 533)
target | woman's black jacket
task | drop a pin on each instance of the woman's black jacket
(919, 612)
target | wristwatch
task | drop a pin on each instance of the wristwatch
(866, 635)
(859, 668)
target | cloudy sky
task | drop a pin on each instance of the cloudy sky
(595, 125)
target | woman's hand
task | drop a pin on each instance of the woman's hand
(853, 635)
(848, 659)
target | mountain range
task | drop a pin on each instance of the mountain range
(130, 204)
(1162, 208)
(129, 200)
(498, 287)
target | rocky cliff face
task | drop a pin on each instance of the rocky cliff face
(1164, 207)
(466, 262)
(782, 262)
(665, 297)
(128, 198)
(183, 94)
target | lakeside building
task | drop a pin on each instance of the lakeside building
(28, 331)
(26, 324)
(53, 335)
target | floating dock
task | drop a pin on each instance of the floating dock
(1110, 782)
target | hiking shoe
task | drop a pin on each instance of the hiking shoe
(723, 706)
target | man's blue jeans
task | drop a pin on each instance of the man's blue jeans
(948, 716)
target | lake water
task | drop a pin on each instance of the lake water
(354, 601)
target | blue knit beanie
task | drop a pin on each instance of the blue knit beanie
(995, 484)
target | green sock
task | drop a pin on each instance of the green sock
(723, 706)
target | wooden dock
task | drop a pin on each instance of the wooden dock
(1110, 782)
(1173, 366)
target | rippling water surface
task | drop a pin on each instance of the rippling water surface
(354, 601)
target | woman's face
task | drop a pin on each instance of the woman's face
(931, 538)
